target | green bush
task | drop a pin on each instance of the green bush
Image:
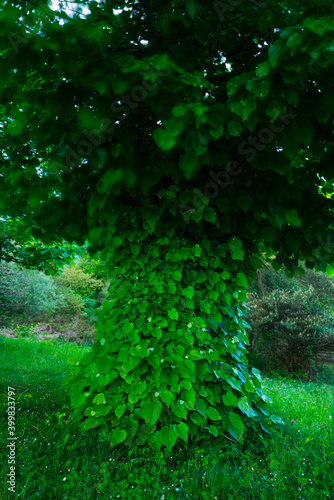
(91, 290)
(26, 295)
(81, 282)
(93, 266)
(291, 322)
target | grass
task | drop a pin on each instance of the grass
(55, 460)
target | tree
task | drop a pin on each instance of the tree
(184, 140)
(18, 245)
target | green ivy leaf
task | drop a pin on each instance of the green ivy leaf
(292, 218)
(213, 413)
(150, 411)
(188, 164)
(163, 140)
(201, 277)
(229, 399)
(176, 275)
(213, 430)
(195, 355)
(276, 419)
(182, 431)
(167, 397)
(179, 410)
(173, 314)
(99, 399)
(188, 292)
(274, 52)
(241, 280)
(120, 410)
(235, 426)
(201, 407)
(234, 128)
(237, 254)
(243, 405)
(209, 215)
(168, 436)
(213, 278)
(128, 328)
(117, 436)
(262, 69)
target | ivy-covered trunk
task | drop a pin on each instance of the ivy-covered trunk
(183, 146)
(169, 357)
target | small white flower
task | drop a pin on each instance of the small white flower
(162, 360)
(64, 479)
(98, 375)
(156, 394)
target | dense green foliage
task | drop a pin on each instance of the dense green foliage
(27, 294)
(79, 281)
(32, 302)
(93, 266)
(291, 322)
(115, 126)
(289, 331)
(17, 244)
(60, 461)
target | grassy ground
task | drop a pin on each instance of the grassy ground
(55, 460)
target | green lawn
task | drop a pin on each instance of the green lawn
(55, 460)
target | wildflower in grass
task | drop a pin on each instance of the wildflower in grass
(293, 422)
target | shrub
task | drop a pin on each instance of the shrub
(80, 282)
(289, 329)
(93, 266)
(26, 295)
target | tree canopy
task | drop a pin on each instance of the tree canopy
(17, 244)
(184, 140)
